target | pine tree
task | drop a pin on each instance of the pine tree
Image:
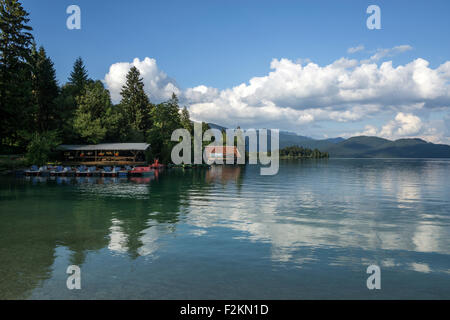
(186, 121)
(79, 76)
(91, 116)
(166, 118)
(45, 91)
(67, 106)
(135, 103)
(174, 107)
(15, 73)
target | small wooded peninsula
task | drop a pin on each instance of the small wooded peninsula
(296, 152)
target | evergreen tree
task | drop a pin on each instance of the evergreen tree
(67, 101)
(166, 118)
(300, 152)
(79, 76)
(90, 118)
(15, 72)
(186, 121)
(115, 125)
(135, 103)
(67, 106)
(173, 113)
(45, 92)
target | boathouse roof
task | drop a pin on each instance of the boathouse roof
(105, 146)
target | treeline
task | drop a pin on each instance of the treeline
(36, 113)
(296, 152)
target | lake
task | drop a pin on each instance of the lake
(309, 232)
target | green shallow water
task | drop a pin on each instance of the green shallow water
(308, 232)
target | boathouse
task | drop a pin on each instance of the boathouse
(221, 153)
(105, 154)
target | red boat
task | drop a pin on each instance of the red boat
(142, 171)
(156, 165)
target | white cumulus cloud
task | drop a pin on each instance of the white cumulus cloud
(407, 125)
(355, 49)
(295, 94)
(345, 90)
(403, 125)
(156, 83)
(383, 53)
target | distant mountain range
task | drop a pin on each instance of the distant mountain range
(374, 147)
(364, 146)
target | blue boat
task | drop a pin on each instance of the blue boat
(123, 172)
(82, 171)
(44, 171)
(92, 171)
(33, 171)
(56, 171)
(67, 171)
(107, 172)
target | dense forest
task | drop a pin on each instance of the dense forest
(37, 113)
(296, 152)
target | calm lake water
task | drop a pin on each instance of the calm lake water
(228, 233)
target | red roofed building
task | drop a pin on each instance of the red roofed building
(220, 153)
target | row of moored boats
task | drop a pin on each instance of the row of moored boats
(90, 171)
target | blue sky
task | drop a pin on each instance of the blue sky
(223, 44)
